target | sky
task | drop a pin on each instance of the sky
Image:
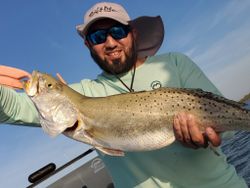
(41, 35)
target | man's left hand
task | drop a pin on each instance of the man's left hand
(186, 130)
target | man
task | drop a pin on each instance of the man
(125, 51)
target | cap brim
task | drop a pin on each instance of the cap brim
(82, 28)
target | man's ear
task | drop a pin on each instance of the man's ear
(87, 43)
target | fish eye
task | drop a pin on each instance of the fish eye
(50, 85)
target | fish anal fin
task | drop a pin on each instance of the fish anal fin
(112, 152)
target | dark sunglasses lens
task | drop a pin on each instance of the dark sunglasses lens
(118, 32)
(98, 37)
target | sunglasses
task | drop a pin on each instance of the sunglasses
(100, 36)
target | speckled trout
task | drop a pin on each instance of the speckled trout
(137, 121)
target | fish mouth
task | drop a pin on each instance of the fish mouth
(31, 86)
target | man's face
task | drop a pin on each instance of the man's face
(114, 56)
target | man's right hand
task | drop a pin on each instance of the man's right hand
(11, 77)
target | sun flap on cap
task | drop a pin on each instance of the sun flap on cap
(150, 34)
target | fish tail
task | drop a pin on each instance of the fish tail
(245, 98)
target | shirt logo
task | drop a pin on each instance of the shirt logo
(155, 84)
(101, 9)
(97, 165)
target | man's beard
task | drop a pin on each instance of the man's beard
(117, 67)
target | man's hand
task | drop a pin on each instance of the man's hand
(187, 132)
(11, 77)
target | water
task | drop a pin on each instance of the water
(237, 150)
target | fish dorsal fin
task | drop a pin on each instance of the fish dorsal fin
(216, 97)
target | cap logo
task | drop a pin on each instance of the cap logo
(102, 9)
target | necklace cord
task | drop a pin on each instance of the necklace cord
(132, 81)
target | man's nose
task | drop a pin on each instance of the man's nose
(110, 42)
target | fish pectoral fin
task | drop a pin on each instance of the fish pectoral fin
(112, 152)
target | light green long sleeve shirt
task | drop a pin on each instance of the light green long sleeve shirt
(174, 166)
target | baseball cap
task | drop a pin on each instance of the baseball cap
(150, 30)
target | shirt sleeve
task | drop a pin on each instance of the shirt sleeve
(17, 108)
(191, 76)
